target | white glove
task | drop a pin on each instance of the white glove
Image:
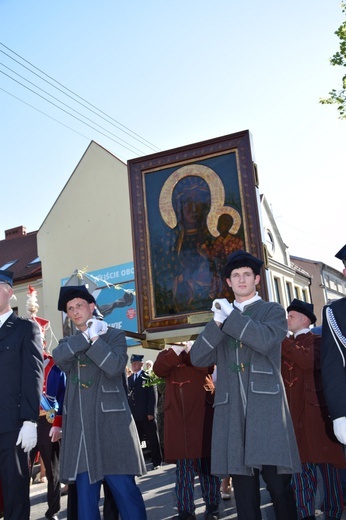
(104, 327)
(27, 436)
(339, 426)
(221, 309)
(96, 327)
(55, 433)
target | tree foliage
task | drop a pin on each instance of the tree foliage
(338, 97)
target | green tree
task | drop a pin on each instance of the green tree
(338, 97)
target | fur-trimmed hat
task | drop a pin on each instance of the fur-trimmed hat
(241, 258)
(70, 292)
(304, 308)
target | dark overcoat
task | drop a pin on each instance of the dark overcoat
(252, 423)
(301, 372)
(142, 399)
(333, 357)
(187, 408)
(96, 408)
(21, 372)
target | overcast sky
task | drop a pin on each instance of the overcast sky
(155, 75)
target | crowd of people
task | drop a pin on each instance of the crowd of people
(257, 395)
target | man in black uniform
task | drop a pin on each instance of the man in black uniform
(333, 359)
(143, 404)
(21, 378)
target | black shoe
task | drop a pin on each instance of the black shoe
(212, 512)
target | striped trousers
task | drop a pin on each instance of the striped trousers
(186, 471)
(304, 485)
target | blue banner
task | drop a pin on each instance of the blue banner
(114, 291)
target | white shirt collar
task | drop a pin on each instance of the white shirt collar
(302, 331)
(5, 316)
(242, 305)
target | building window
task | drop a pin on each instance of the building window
(296, 292)
(35, 261)
(333, 285)
(277, 290)
(304, 295)
(289, 292)
(7, 265)
(341, 288)
(270, 242)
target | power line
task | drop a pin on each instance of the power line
(66, 112)
(59, 101)
(110, 120)
(68, 90)
(134, 136)
(44, 113)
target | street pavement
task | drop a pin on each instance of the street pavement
(157, 487)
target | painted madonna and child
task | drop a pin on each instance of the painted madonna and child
(200, 233)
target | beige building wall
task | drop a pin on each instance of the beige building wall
(88, 227)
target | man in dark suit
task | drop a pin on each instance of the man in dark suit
(143, 404)
(333, 359)
(21, 378)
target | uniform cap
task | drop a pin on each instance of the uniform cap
(6, 277)
(136, 357)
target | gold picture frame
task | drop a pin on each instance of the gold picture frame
(190, 208)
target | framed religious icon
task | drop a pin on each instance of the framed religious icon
(191, 207)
